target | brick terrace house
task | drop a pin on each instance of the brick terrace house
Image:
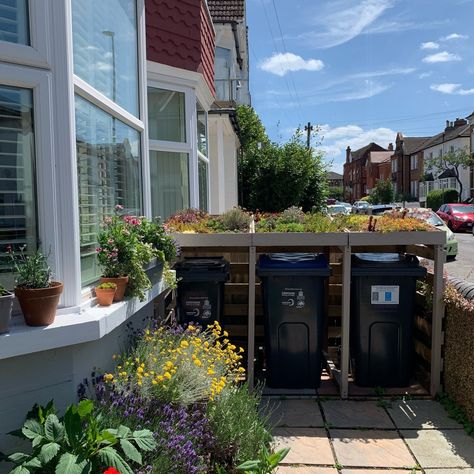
(406, 167)
(377, 162)
(335, 180)
(355, 171)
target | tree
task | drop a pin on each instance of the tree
(336, 192)
(382, 192)
(454, 160)
(273, 176)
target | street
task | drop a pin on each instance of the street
(463, 266)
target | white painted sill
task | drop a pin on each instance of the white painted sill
(72, 326)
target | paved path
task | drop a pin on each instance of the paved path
(362, 437)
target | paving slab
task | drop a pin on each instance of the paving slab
(355, 414)
(371, 448)
(418, 414)
(441, 448)
(307, 445)
(376, 471)
(449, 471)
(296, 413)
(305, 470)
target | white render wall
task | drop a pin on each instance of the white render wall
(457, 143)
(55, 374)
(223, 146)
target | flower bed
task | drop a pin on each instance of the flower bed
(174, 404)
(199, 222)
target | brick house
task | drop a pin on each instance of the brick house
(355, 171)
(407, 167)
(335, 180)
(377, 161)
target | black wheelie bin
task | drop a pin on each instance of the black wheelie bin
(201, 289)
(293, 298)
(382, 313)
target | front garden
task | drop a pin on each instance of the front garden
(175, 403)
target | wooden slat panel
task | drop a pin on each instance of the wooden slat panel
(241, 309)
(421, 251)
(335, 289)
(423, 351)
(423, 326)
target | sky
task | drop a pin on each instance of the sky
(361, 70)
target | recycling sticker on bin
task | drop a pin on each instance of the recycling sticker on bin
(293, 298)
(198, 307)
(385, 294)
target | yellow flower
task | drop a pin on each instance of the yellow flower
(140, 370)
(160, 378)
(210, 372)
(108, 377)
(167, 375)
(241, 369)
(184, 344)
(198, 362)
(191, 327)
(154, 382)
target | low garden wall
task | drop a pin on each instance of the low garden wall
(459, 350)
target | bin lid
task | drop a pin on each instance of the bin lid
(386, 264)
(200, 264)
(293, 260)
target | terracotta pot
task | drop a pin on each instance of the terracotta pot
(105, 296)
(121, 283)
(39, 304)
(6, 305)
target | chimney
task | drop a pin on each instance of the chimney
(390, 146)
(447, 123)
(449, 126)
(460, 122)
(348, 152)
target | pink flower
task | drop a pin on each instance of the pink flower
(107, 220)
(99, 249)
(110, 241)
(119, 207)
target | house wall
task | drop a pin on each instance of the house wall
(223, 146)
(55, 374)
(457, 143)
(181, 34)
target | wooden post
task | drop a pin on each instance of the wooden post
(251, 318)
(346, 320)
(437, 322)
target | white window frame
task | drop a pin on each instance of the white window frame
(190, 145)
(201, 156)
(40, 83)
(92, 95)
(38, 53)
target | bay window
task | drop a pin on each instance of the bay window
(105, 48)
(14, 21)
(18, 221)
(109, 129)
(109, 174)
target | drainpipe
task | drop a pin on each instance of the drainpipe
(237, 45)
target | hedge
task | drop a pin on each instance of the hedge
(438, 197)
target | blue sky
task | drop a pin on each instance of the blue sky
(362, 70)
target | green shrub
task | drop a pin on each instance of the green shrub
(292, 215)
(32, 271)
(235, 220)
(382, 192)
(238, 425)
(438, 197)
(336, 192)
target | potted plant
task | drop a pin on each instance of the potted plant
(105, 293)
(35, 290)
(6, 305)
(122, 255)
(153, 232)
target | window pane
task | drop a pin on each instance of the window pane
(109, 173)
(166, 115)
(169, 182)
(202, 130)
(106, 48)
(203, 185)
(17, 176)
(14, 26)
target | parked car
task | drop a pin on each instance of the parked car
(458, 217)
(346, 205)
(432, 218)
(338, 209)
(382, 208)
(360, 207)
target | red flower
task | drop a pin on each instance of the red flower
(111, 470)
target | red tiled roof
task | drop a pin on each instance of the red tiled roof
(226, 11)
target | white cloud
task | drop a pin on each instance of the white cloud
(442, 57)
(454, 36)
(340, 21)
(429, 45)
(449, 88)
(423, 75)
(336, 140)
(280, 64)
